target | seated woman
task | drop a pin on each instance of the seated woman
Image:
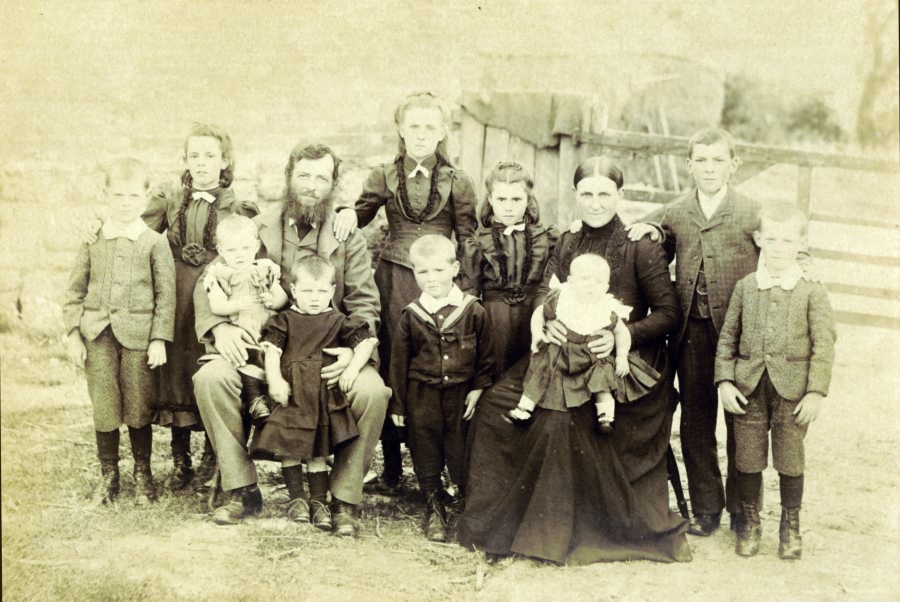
(570, 495)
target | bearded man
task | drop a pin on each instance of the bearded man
(302, 226)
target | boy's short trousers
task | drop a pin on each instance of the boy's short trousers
(767, 410)
(120, 383)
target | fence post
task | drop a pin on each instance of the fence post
(804, 187)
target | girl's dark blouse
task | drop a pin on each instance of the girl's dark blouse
(639, 278)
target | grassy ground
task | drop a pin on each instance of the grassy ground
(56, 547)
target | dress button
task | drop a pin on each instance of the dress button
(446, 378)
(443, 339)
(440, 317)
(446, 357)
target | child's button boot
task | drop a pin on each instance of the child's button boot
(749, 530)
(144, 489)
(107, 489)
(790, 545)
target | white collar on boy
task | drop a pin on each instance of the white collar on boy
(432, 305)
(709, 204)
(132, 230)
(765, 280)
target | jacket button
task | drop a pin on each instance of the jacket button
(443, 339)
(446, 378)
(768, 356)
(446, 357)
(774, 303)
(696, 257)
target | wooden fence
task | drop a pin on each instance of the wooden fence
(480, 146)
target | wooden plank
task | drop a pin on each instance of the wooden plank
(881, 260)
(496, 148)
(673, 169)
(858, 319)
(657, 165)
(850, 220)
(864, 291)
(747, 170)
(471, 133)
(546, 183)
(648, 196)
(649, 144)
(523, 152)
(804, 188)
(568, 161)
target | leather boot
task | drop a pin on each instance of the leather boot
(243, 501)
(298, 510)
(144, 489)
(790, 544)
(435, 518)
(749, 530)
(181, 459)
(107, 489)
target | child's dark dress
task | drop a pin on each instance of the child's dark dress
(316, 419)
(560, 377)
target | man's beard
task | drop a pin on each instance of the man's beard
(307, 214)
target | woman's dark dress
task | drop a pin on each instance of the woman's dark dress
(558, 491)
(175, 403)
(316, 419)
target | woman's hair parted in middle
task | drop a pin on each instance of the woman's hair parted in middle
(509, 172)
(601, 166)
(426, 100)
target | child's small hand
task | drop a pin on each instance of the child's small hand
(398, 420)
(348, 377)
(472, 402)
(267, 299)
(808, 409)
(344, 224)
(76, 349)
(639, 231)
(622, 367)
(279, 390)
(156, 353)
(732, 398)
(89, 233)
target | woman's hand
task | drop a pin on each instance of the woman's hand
(279, 390)
(555, 332)
(344, 224)
(331, 373)
(156, 353)
(471, 403)
(603, 344)
(75, 348)
(231, 342)
(639, 231)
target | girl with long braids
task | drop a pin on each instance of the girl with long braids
(422, 193)
(190, 219)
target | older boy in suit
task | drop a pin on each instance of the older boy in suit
(710, 231)
(773, 367)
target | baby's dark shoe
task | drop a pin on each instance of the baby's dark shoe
(259, 411)
(518, 416)
(604, 425)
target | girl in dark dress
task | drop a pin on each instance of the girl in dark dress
(422, 193)
(189, 221)
(569, 495)
(310, 421)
